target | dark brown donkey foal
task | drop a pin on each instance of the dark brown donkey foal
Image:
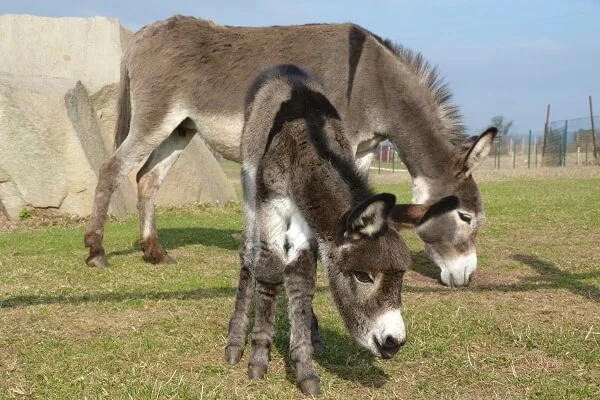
(303, 194)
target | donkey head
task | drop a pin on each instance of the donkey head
(365, 267)
(450, 236)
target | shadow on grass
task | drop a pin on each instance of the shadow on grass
(172, 238)
(422, 265)
(550, 277)
(196, 294)
(341, 356)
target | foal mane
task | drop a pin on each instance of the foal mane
(429, 77)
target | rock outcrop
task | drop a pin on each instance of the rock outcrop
(58, 92)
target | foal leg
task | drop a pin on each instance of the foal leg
(268, 275)
(300, 279)
(149, 178)
(315, 338)
(262, 334)
(238, 324)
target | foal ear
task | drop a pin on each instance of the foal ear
(407, 216)
(480, 147)
(369, 217)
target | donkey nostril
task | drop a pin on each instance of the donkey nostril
(389, 346)
(390, 342)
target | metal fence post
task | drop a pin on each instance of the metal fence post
(529, 151)
(499, 150)
(565, 143)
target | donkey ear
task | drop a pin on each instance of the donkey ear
(480, 147)
(369, 217)
(407, 216)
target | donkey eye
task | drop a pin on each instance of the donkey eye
(363, 277)
(465, 217)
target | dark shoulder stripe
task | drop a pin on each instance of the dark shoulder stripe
(356, 43)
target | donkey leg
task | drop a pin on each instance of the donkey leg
(238, 324)
(149, 179)
(300, 281)
(145, 134)
(112, 172)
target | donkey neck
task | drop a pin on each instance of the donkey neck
(409, 110)
(417, 134)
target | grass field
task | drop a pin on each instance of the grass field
(527, 327)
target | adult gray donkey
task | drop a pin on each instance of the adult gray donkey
(186, 75)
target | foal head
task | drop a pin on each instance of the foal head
(365, 267)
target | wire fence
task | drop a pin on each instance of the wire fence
(567, 138)
(567, 143)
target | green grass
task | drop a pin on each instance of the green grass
(528, 326)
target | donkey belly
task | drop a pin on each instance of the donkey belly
(222, 132)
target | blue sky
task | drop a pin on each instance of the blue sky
(501, 57)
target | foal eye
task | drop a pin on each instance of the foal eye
(363, 277)
(465, 217)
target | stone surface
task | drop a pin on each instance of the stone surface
(11, 200)
(85, 49)
(58, 93)
(28, 157)
(94, 151)
(196, 177)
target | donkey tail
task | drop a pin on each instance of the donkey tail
(123, 106)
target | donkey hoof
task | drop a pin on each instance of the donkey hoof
(310, 387)
(233, 354)
(256, 371)
(98, 261)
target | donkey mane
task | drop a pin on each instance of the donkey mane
(429, 77)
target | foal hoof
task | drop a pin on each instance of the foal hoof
(98, 261)
(310, 387)
(256, 371)
(233, 354)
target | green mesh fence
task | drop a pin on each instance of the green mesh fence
(568, 143)
(570, 136)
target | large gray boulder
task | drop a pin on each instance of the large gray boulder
(58, 92)
(85, 49)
